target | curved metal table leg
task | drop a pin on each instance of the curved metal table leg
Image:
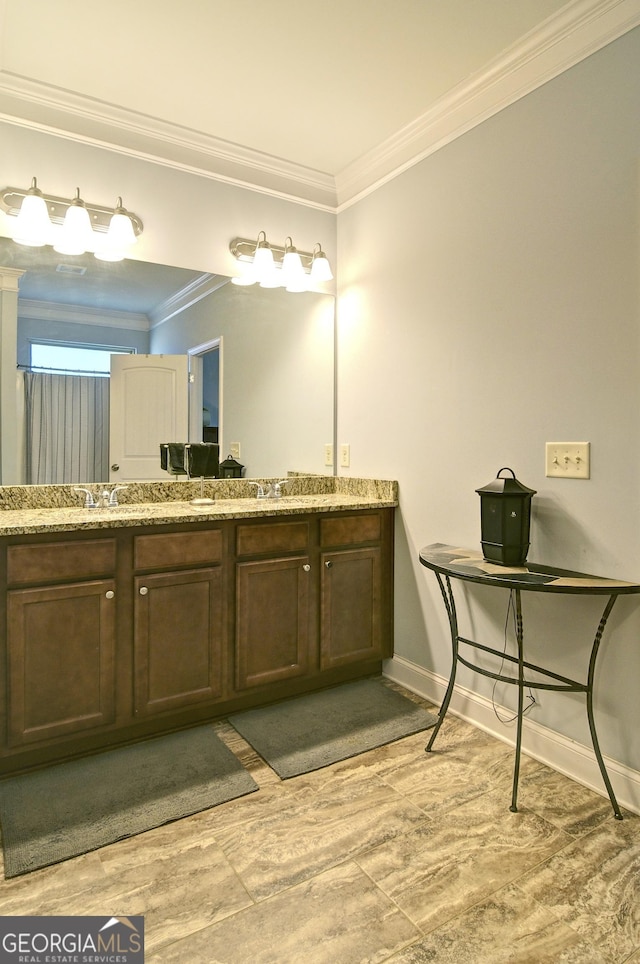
(520, 644)
(450, 606)
(590, 716)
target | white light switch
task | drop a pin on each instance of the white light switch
(328, 453)
(345, 455)
(234, 450)
(568, 460)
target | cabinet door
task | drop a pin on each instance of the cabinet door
(178, 634)
(272, 620)
(61, 654)
(350, 606)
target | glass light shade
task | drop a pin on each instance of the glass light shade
(33, 225)
(263, 265)
(76, 235)
(293, 276)
(320, 268)
(118, 238)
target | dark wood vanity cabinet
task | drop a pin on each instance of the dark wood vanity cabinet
(61, 643)
(123, 633)
(178, 618)
(272, 605)
(352, 590)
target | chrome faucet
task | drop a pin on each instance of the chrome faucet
(106, 499)
(274, 491)
(113, 497)
(89, 501)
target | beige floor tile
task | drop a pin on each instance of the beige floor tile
(445, 866)
(594, 886)
(507, 928)
(338, 917)
(324, 819)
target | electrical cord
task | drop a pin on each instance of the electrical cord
(511, 612)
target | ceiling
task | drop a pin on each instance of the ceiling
(313, 100)
(318, 84)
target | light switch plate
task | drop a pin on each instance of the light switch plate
(345, 455)
(234, 450)
(568, 460)
(328, 453)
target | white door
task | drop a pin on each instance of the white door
(149, 405)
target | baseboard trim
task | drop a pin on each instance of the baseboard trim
(555, 750)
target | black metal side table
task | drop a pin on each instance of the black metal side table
(468, 565)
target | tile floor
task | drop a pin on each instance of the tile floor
(394, 856)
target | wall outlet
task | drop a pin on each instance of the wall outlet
(568, 460)
(234, 450)
(328, 453)
(344, 455)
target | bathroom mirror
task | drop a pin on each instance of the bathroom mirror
(276, 349)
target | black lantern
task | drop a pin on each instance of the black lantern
(230, 469)
(505, 514)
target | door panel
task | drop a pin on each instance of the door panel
(149, 405)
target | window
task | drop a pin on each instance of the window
(74, 359)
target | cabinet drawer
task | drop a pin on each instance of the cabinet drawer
(60, 561)
(168, 550)
(274, 537)
(351, 530)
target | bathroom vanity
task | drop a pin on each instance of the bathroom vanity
(123, 623)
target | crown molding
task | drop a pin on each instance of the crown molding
(578, 30)
(63, 113)
(191, 294)
(78, 315)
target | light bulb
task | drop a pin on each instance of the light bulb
(76, 235)
(33, 225)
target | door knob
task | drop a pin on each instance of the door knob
(109, 594)
(143, 590)
(328, 564)
(115, 467)
(307, 567)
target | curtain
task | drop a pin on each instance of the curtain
(67, 428)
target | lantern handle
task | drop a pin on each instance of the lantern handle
(506, 469)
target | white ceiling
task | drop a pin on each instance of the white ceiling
(273, 89)
(318, 83)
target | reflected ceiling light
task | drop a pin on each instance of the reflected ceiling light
(37, 216)
(33, 225)
(320, 267)
(272, 266)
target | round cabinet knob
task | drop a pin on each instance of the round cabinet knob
(306, 567)
(328, 564)
(115, 467)
(110, 594)
(143, 590)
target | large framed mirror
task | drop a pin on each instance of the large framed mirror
(269, 366)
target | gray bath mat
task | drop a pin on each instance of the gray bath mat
(72, 808)
(312, 731)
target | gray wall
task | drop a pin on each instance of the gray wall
(488, 303)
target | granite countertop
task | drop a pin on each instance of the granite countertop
(32, 509)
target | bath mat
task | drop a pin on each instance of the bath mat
(312, 731)
(74, 807)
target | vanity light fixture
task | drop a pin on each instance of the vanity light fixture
(83, 224)
(272, 266)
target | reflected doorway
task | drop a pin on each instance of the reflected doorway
(211, 373)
